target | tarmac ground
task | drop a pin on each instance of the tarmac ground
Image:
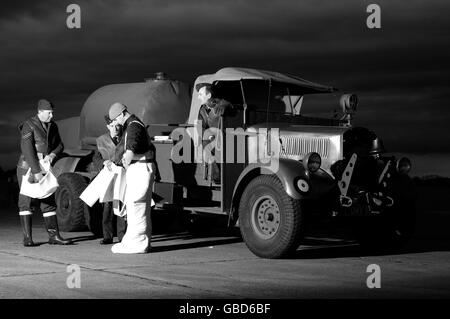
(219, 265)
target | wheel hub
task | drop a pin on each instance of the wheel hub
(265, 217)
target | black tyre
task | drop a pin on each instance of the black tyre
(271, 222)
(73, 214)
(70, 208)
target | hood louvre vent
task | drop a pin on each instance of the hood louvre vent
(300, 146)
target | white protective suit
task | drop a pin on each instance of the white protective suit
(138, 198)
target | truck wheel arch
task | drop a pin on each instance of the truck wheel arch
(69, 162)
(65, 165)
(287, 172)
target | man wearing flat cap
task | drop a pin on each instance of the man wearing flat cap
(139, 161)
(40, 140)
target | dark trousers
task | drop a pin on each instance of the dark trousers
(108, 223)
(215, 168)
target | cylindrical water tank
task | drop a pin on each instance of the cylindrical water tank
(155, 101)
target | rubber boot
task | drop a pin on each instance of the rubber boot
(25, 220)
(54, 238)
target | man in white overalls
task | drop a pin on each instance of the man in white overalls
(139, 162)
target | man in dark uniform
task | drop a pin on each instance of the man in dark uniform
(210, 113)
(139, 162)
(40, 140)
(110, 150)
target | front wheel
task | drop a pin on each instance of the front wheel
(271, 222)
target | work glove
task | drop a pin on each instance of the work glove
(220, 110)
(108, 164)
(35, 178)
(50, 158)
(126, 158)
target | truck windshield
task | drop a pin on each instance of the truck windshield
(324, 105)
(280, 98)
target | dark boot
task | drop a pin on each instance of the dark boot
(25, 220)
(54, 238)
(107, 222)
(121, 227)
(215, 173)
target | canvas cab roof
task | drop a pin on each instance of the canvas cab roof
(237, 74)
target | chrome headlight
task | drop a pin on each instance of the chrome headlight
(312, 162)
(403, 165)
(348, 103)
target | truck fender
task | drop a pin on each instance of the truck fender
(300, 183)
(65, 165)
(288, 172)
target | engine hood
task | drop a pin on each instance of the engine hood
(299, 140)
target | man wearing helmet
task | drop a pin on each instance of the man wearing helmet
(139, 161)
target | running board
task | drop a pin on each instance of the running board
(210, 210)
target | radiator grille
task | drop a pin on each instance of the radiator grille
(300, 146)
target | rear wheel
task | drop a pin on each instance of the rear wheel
(73, 214)
(271, 221)
(70, 208)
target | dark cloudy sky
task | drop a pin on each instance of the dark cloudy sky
(400, 72)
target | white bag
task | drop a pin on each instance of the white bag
(98, 187)
(44, 188)
(107, 186)
(119, 191)
(116, 190)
